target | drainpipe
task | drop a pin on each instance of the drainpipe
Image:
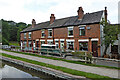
(53, 37)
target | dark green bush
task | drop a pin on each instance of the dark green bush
(82, 55)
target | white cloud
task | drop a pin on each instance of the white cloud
(40, 10)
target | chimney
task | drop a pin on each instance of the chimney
(33, 23)
(52, 18)
(80, 12)
(105, 14)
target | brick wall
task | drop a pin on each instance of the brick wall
(62, 33)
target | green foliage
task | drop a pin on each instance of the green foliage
(4, 41)
(5, 30)
(15, 43)
(110, 34)
(11, 30)
(83, 54)
(0, 37)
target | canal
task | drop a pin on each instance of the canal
(10, 70)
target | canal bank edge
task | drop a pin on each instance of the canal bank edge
(45, 70)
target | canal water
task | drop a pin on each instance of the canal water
(10, 70)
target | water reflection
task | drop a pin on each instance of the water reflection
(10, 70)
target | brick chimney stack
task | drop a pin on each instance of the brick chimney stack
(52, 18)
(80, 12)
(105, 14)
(33, 23)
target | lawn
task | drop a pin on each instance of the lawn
(66, 70)
(14, 43)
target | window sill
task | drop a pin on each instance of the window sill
(49, 36)
(70, 36)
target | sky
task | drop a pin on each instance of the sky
(40, 10)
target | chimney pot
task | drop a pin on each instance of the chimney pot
(33, 23)
(80, 12)
(105, 14)
(52, 18)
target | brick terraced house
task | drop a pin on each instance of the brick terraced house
(82, 32)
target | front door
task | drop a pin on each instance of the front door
(95, 48)
(114, 49)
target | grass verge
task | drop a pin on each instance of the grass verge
(66, 70)
(70, 61)
(14, 43)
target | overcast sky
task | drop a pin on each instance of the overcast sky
(40, 10)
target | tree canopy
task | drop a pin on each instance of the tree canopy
(11, 30)
(110, 34)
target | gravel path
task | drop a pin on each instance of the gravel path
(113, 73)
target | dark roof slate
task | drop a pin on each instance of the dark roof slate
(58, 22)
(88, 18)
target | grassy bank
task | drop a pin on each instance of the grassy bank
(14, 43)
(66, 70)
(70, 61)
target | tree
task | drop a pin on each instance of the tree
(5, 30)
(110, 34)
(11, 30)
(21, 26)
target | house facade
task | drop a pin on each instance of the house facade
(82, 32)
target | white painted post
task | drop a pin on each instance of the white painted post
(21, 45)
(85, 57)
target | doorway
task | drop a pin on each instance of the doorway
(62, 45)
(95, 48)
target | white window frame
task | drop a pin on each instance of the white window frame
(49, 34)
(42, 31)
(83, 40)
(68, 31)
(25, 36)
(25, 43)
(29, 43)
(70, 42)
(29, 35)
(95, 39)
(79, 29)
(57, 43)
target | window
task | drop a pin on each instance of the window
(29, 35)
(70, 31)
(37, 43)
(82, 31)
(30, 44)
(25, 44)
(70, 45)
(43, 33)
(57, 44)
(24, 35)
(42, 42)
(83, 46)
(50, 42)
(49, 33)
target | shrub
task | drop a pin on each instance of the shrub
(82, 55)
(4, 41)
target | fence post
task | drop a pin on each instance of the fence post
(85, 57)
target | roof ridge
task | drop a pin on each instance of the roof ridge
(94, 12)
